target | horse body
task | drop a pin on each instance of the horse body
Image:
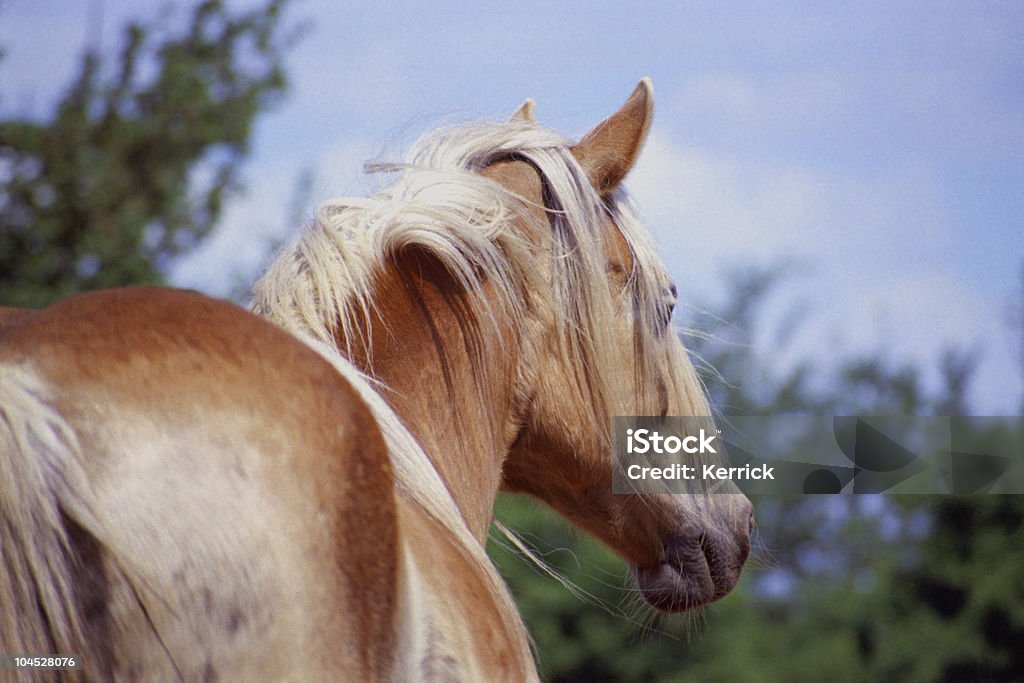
(203, 493)
(187, 498)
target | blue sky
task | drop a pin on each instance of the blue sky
(878, 146)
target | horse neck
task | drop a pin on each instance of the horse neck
(449, 375)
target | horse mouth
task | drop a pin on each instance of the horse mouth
(694, 571)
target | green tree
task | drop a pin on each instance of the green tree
(134, 166)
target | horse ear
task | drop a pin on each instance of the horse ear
(524, 114)
(610, 150)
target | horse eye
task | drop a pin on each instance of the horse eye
(665, 309)
(664, 317)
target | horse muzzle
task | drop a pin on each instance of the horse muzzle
(696, 569)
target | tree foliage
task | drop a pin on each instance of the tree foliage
(134, 166)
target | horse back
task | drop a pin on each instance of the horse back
(9, 314)
(188, 491)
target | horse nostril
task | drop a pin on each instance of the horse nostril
(751, 523)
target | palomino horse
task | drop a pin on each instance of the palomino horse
(188, 491)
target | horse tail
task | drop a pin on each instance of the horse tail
(41, 487)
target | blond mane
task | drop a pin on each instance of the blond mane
(323, 284)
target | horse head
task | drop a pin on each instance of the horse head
(605, 347)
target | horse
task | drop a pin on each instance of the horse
(191, 491)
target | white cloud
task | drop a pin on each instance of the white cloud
(706, 209)
(878, 248)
